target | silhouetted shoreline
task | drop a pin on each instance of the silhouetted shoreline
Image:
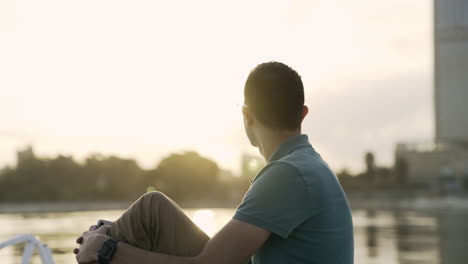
(357, 202)
(77, 206)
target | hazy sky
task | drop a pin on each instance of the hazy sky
(141, 79)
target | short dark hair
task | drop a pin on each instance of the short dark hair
(274, 93)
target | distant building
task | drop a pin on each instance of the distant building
(444, 162)
(26, 154)
(451, 71)
(435, 164)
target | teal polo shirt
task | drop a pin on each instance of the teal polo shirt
(298, 198)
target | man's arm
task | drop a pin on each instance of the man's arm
(234, 243)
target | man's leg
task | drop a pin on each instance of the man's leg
(156, 223)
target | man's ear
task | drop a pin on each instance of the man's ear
(305, 111)
(248, 117)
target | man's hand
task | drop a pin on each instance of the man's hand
(90, 242)
(233, 244)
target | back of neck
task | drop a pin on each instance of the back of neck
(270, 140)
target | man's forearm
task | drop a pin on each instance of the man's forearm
(233, 244)
(127, 254)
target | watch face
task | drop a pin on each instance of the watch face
(105, 251)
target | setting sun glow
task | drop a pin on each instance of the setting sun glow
(145, 78)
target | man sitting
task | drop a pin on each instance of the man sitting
(294, 212)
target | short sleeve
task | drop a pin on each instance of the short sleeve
(277, 201)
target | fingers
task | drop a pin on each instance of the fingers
(103, 229)
(81, 238)
(93, 229)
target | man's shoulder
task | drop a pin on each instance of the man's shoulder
(305, 160)
(311, 168)
(303, 166)
(279, 168)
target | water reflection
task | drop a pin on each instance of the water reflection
(371, 236)
(204, 219)
(453, 237)
(416, 238)
(381, 236)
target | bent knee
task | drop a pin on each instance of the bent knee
(154, 196)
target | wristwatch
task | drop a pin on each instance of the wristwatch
(107, 250)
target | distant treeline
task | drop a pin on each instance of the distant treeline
(182, 176)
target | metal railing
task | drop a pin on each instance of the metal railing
(31, 244)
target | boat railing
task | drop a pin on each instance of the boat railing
(31, 244)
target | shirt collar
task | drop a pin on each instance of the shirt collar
(289, 145)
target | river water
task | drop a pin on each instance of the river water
(381, 236)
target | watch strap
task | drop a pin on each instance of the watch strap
(107, 250)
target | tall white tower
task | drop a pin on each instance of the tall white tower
(451, 71)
